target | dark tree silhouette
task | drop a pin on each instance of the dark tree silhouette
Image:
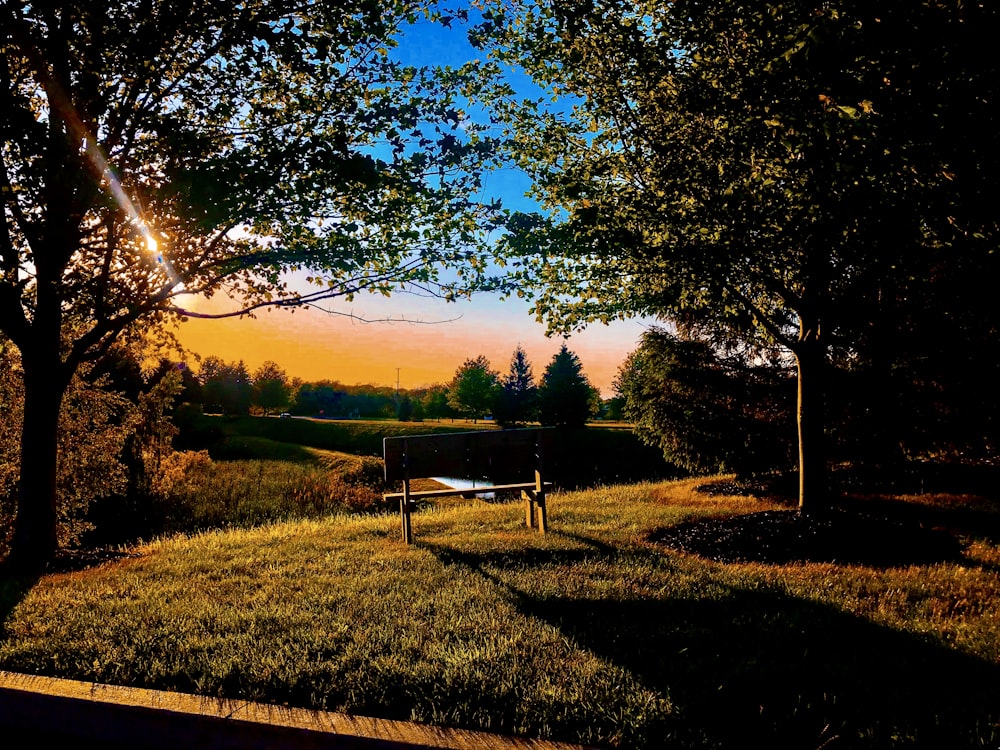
(565, 396)
(517, 399)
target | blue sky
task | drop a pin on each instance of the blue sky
(440, 336)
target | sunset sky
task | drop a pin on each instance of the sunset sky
(313, 345)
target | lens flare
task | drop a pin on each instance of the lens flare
(60, 102)
(97, 159)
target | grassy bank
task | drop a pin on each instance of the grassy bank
(359, 437)
(592, 633)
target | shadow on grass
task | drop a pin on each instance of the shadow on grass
(976, 517)
(779, 537)
(760, 668)
(14, 586)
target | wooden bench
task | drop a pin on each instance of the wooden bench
(492, 456)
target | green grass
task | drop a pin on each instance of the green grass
(589, 634)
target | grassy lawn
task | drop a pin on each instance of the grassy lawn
(592, 633)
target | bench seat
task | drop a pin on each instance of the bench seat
(467, 490)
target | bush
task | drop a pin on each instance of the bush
(193, 492)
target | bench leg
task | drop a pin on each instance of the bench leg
(404, 514)
(529, 508)
(543, 518)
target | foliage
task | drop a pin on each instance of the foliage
(329, 398)
(271, 390)
(11, 409)
(565, 396)
(154, 151)
(517, 399)
(779, 174)
(706, 413)
(435, 403)
(195, 493)
(226, 386)
(109, 445)
(591, 635)
(472, 392)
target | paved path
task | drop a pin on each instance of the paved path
(45, 712)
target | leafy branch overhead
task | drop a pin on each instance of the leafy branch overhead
(154, 151)
(786, 175)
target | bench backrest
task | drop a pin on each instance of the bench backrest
(493, 455)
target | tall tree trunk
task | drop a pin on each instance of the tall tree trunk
(35, 539)
(810, 357)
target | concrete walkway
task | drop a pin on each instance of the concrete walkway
(46, 712)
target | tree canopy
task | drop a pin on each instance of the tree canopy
(708, 413)
(150, 151)
(473, 390)
(271, 388)
(780, 174)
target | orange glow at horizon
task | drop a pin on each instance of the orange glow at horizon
(313, 345)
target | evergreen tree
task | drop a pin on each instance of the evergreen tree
(565, 397)
(517, 399)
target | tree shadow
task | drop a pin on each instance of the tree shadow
(844, 536)
(761, 668)
(976, 517)
(14, 586)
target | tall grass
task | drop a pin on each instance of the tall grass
(591, 633)
(197, 493)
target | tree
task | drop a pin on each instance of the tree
(160, 149)
(270, 387)
(319, 398)
(405, 411)
(473, 390)
(109, 441)
(517, 399)
(769, 174)
(705, 412)
(565, 396)
(435, 402)
(226, 385)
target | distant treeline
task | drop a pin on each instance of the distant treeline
(477, 390)
(219, 387)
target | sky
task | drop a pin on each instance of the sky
(437, 337)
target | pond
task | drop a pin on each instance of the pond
(466, 484)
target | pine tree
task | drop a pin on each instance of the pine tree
(565, 397)
(517, 401)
